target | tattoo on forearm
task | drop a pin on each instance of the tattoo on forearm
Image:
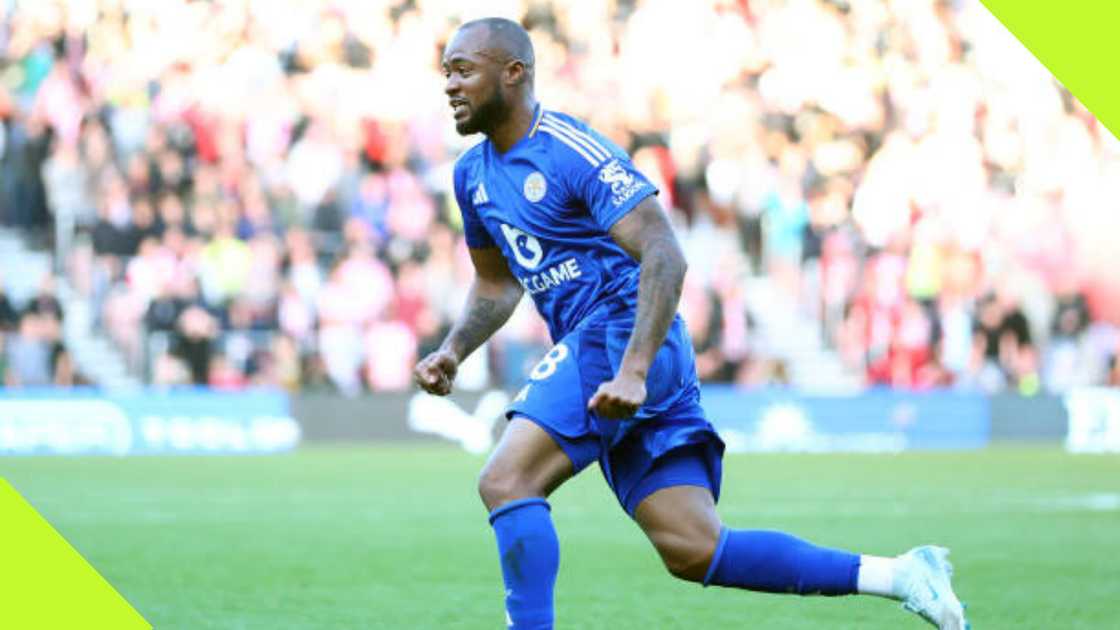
(659, 291)
(482, 317)
(477, 324)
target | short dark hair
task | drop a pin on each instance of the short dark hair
(508, 37)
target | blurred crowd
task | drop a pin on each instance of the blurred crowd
(256, 192)
(32, 353)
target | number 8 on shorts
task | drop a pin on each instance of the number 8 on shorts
(547, 365)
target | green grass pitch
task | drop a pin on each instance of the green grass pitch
(394, 537)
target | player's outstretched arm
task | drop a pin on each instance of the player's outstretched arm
(645, 233)
(492, 299)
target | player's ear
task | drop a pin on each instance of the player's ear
(515, 72)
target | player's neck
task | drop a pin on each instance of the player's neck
(515, 126)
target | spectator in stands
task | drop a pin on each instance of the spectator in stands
(918, 349)
(341, 316)
(194, 341)
(1113, 377)
(164, 310)
(390, 351)
(9, 318)
(986, 366)
(413, 304)
(1015, 330)
(286, 368)
(45, 302)
(223, 374)
(44, 315)
(23, 199)
(29, 353)
(1005, 333)
(168, 370)
(302, 267)
(224, 264)
(5, 115)
(170, 215)
(121, 315)
(296, 317)
(114, 234)
(1068, 360)
(262, 283)
(238, 339)
(69, 192)
(704, 317)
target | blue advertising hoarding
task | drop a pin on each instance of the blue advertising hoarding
(870, 421)
(145, 422)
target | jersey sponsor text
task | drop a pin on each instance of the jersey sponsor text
(552, 277)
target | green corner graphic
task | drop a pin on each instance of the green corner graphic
(1077, 43)
(45, 584)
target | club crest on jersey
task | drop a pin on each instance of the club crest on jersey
(623, 184)
(535, 187)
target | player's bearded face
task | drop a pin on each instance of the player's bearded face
(485, 113)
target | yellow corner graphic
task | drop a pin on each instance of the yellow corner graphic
(1077, 43)
(45, 584)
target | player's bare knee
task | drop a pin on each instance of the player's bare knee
(498, 485)
(492, 487)
(686, 557)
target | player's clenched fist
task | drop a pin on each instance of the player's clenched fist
(436, 372)
(620, 397)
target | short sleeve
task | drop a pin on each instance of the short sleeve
(473, 227)
(608, 184)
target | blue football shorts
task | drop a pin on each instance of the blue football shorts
(669, 442)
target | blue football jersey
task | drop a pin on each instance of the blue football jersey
(548, 203)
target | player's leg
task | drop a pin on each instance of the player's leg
(524, 468)
(526, 463)
(675, 507)
(549, 439)
(682, 524)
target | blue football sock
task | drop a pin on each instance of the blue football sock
(530, 554)
(774, 562)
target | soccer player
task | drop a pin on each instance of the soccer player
(552, 208)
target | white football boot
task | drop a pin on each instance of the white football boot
(922, 581)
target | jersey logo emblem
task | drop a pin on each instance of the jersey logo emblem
(623, 184)
(526, 248)
(615, 176)
(535, 187)
(480, 196)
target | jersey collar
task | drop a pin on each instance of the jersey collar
(538, 115)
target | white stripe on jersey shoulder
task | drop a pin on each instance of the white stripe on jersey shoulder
(580, 135)
(559, 135)
(574, 138)
(574, 134)
(537, 122)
